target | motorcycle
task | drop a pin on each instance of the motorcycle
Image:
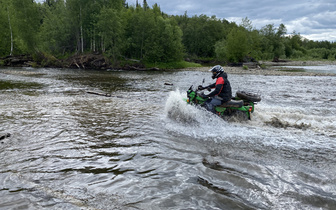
(243, 103)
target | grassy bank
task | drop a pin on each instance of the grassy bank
(173, 65)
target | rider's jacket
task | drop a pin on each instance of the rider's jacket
(222, 88)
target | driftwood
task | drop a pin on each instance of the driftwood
(166, 83)
(20, 60)
(74, 61)
(139, 67)
(86, 61)
(99, 94)
(276, 60)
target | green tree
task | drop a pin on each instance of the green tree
(151, 36)
(247, 24)
(55, 32)
(165, 43)
(253, 39)
(139, 26)
(201, 33)
(18, 30)
(26, 23)
(273, 44)
(6, 31)
(221, 50)
(110, 29)
(235, 48)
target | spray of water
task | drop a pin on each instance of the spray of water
(294, 118)
(195, 121)
(178, 110)
(271, 121)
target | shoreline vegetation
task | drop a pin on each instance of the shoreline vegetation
(88, 61)
(100, 62)
(277, 69)
(106, 35)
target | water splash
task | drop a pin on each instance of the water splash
(178, 110)
(294, 118)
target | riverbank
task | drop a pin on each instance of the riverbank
(276, 69)
(100, 62)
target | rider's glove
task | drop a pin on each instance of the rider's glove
(202, 95)
(200, 87)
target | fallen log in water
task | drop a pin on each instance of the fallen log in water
(100, 94)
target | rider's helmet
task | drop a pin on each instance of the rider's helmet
(216, 71)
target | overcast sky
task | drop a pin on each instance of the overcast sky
(313, 19)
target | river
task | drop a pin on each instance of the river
(316, 69)
(145, 148)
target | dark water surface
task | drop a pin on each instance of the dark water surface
(144, 148)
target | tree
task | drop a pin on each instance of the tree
(247, 24)
(274, 41)
(254, 39)
(235, 47)
(165, 44)
(221, 50)
(110, 29)
(26, 23)
(6, 31)
(138, 29)
(201, 33)
(151, 36)
(55, 31)
(18, 30)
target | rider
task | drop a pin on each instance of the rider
(222, 92)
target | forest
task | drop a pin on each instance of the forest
(58, 30)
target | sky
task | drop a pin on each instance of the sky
(313, 19)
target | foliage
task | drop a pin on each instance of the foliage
(18, 31)
(111, 32)
(237, 45)
(55, 36)
(27, 19)
(200, 33)
(59, 28)
(152, 37)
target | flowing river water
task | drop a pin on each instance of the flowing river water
(145, 148)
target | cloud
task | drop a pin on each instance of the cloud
(313, 19)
